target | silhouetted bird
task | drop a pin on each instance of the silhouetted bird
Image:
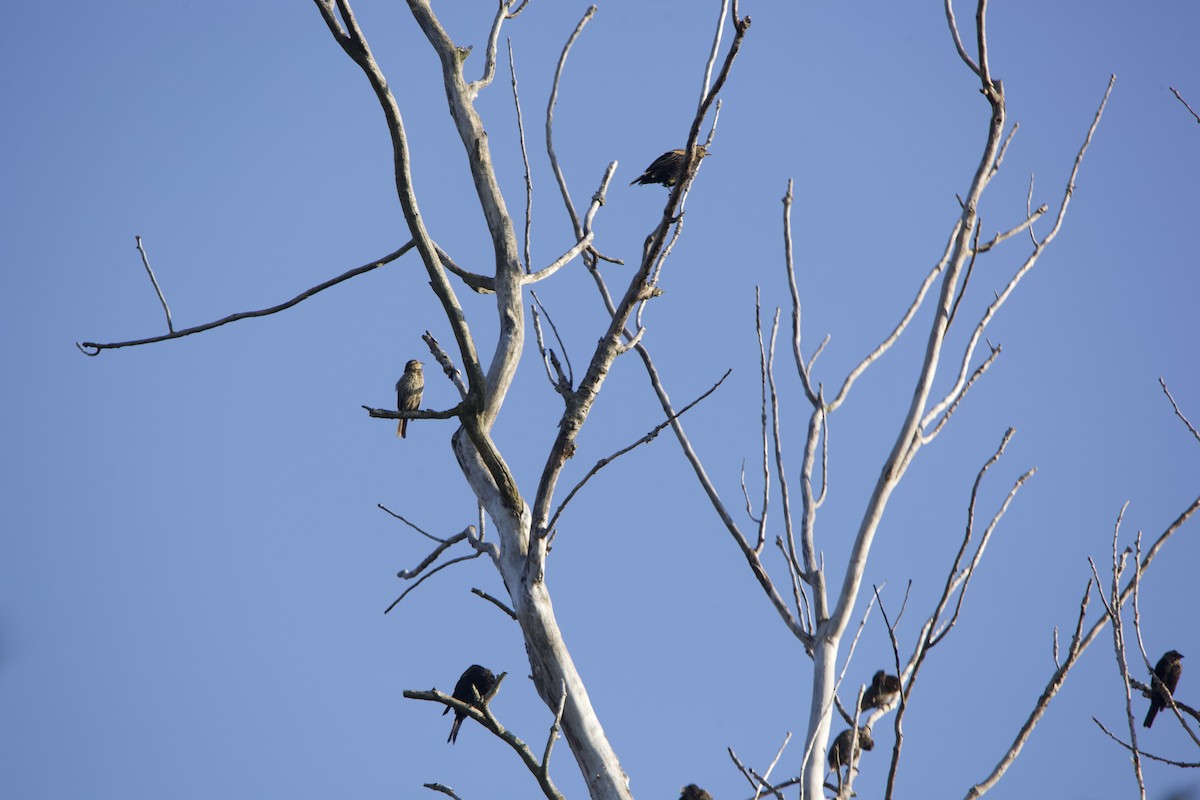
(409, 389)
(839, 753)
(694, 792)
(884, 689)
(668, 169)
(476, 679)
(1167, 670)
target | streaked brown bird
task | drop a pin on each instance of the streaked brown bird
(840, 754)
(472, 687)
(668, 169)
(883, 691)
(694, 792)
(409, 389)
(1168, 670)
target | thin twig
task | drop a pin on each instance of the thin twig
(558, 174)
(712, 54)
(497, 603)
(900, 327)
(1178, 413)
(446, 363)
(766, 461)
(555, 727)
(771, 767)
(1113, 609)
(415, 527)
(962, 289)
(777, 450)
(789, 265)
(154, 280)
(1144, 754)
(958, 45)
(512, 68)
(550, 362)
(493, 41)
(426, 576)
(649, 437)
(1179, 97)
(1030, 218)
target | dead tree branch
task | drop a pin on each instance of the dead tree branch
(94, 348)
(1179, 97)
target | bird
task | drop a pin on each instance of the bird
(839, 753)
(884, 689)
(694, 792)
(1167, 670)
(669, 168)
(408, 392)
(472, 687)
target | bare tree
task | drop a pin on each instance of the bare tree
(818, 607)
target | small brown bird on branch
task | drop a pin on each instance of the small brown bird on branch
(472, 687)
(669, 168)
(884, 689)
(408, 392)
(1168, 670)
(694, 792)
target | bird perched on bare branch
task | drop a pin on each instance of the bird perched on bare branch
(472, 687)
(694, 792)
(409, 389)
(840, 754)
(1167, 670)
(883, 691)
(669, 168)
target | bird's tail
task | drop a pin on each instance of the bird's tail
(453, 738)
(1150, 715)
(402, 428)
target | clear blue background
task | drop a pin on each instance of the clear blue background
(194, 567)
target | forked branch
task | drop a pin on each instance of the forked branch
(482, 713)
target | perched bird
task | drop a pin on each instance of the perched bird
(408, 392)
(668, 169)
(1167, 670)
(694, 792)
(884, 689)
(476, 679)
(839, 753)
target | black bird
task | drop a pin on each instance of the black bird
(694, 792)
(884, 689)
(409, 389)
(668, 169)
(471, 688)
(1167, 670)
(839, 753)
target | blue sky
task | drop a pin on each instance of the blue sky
(194, 567)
